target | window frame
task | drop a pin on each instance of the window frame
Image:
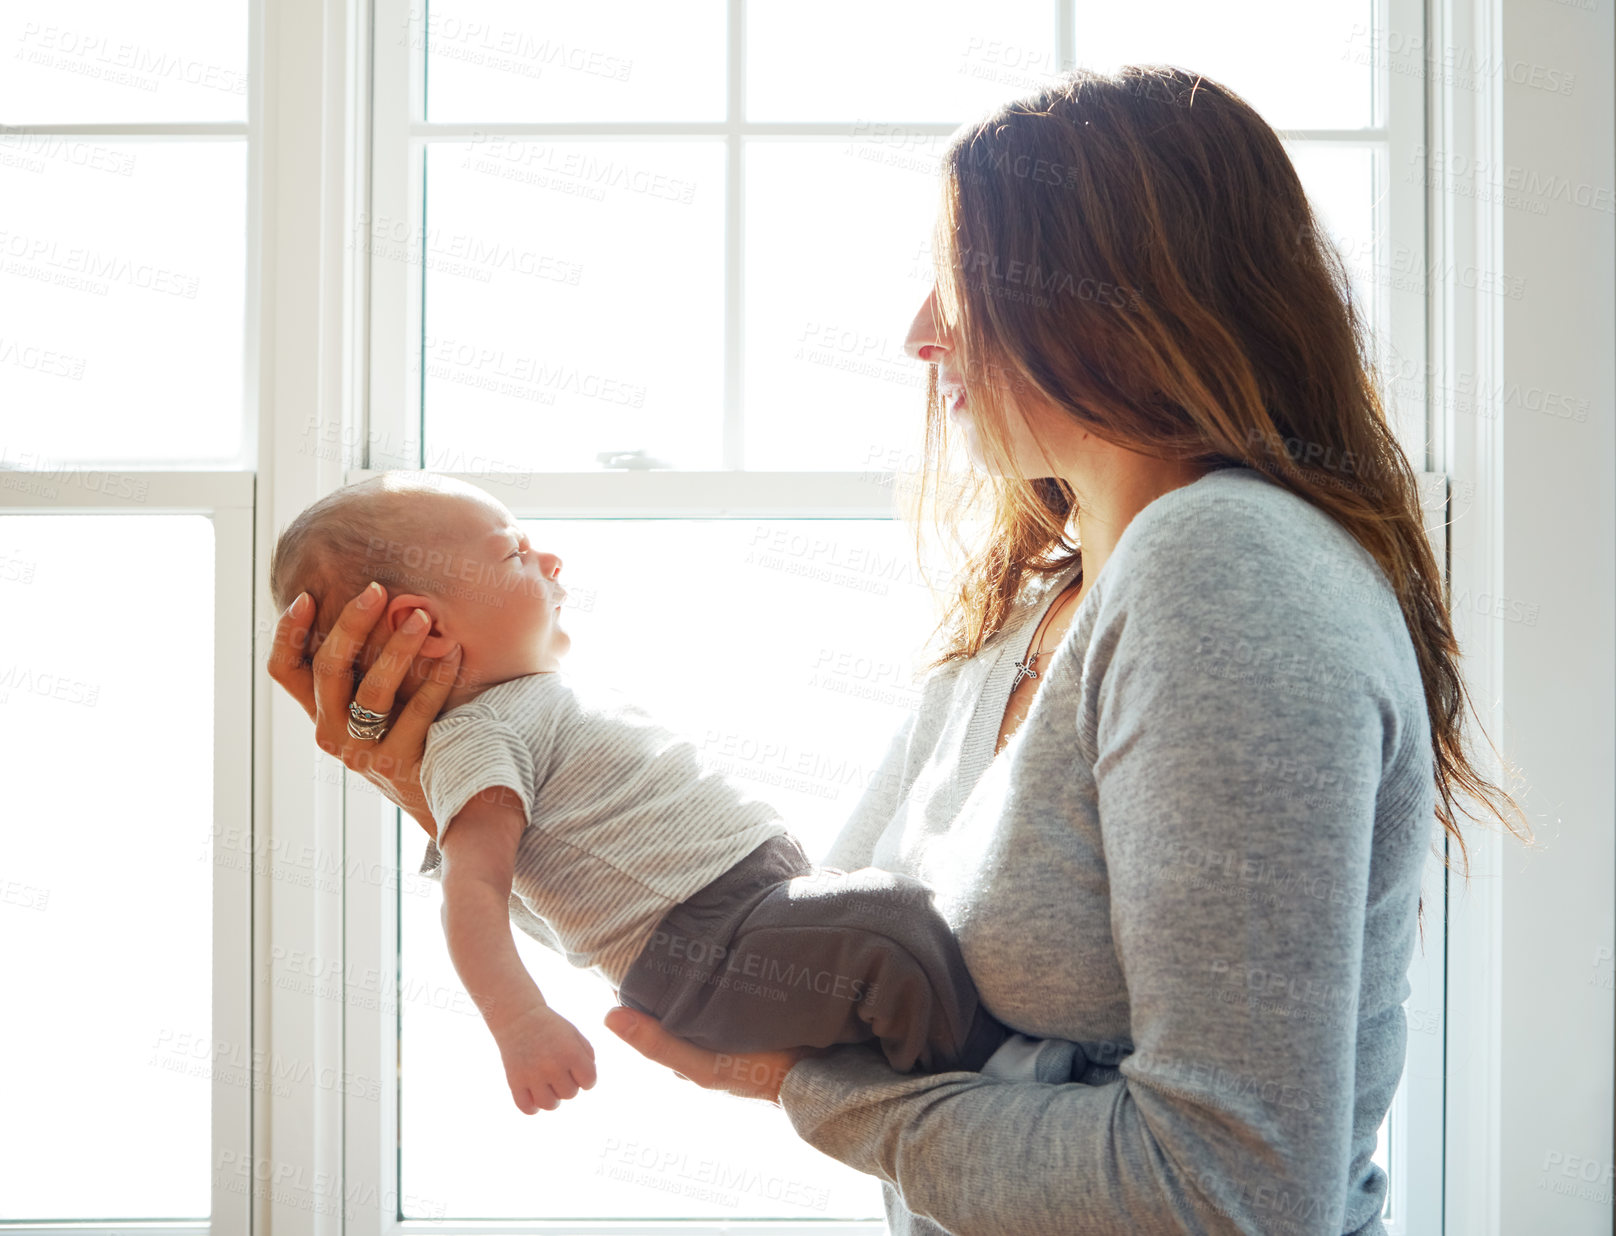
(312, 350)
(227, 497)
(1531, 517)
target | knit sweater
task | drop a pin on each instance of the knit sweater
(1199, 858)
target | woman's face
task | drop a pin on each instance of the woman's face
(929, 341)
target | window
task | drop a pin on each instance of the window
(126, 568)
(597, 257)
(610, 253)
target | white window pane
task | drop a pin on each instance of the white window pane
(941, 60)
(106, 719)
(122, 269)
(83, 61)
(786, 650)
(758, 625)
(1340, 185)
(1303, 66)
(618, 60)
(833, 279)
(574, 304)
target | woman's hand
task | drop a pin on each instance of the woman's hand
(754, 1076)
(325, 689)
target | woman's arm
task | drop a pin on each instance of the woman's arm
(323, 685)
(1237, 910)
(1229, 1115)
(756, 1075)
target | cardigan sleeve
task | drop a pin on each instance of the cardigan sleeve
(1233, 1111)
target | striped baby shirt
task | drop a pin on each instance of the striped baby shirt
(624, 820)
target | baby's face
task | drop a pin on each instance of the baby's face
(494, 593)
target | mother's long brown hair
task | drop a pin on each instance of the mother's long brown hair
(1137, 250)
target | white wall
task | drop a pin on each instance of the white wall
(1530, 1025)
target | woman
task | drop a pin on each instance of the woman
(1172, 785)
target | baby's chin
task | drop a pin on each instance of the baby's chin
(557, 645)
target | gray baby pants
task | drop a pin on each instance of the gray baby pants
(775, 953)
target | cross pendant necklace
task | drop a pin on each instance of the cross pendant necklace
(1024, 667)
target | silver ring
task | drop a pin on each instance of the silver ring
(365, 733)
(363, 715)
(365, 725)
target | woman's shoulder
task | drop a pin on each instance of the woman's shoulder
(1224, 498)
(1248, 567)
(1236, 532)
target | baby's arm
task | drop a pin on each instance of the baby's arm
(546, 1059)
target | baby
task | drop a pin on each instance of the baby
(564, 808)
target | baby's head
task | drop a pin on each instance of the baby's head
(438, 545)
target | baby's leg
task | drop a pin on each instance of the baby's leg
(823, 958)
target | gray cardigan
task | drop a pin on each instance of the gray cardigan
(1198, 858)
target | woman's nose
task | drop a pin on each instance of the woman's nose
(925, 340)
(550, 565)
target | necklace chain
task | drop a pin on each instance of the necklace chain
(1025, 667)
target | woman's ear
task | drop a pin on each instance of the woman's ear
(399, 609)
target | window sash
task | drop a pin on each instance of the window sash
(227, 498)
(400, 134)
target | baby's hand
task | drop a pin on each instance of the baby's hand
(546, 1059)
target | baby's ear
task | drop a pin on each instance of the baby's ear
(399, 609)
